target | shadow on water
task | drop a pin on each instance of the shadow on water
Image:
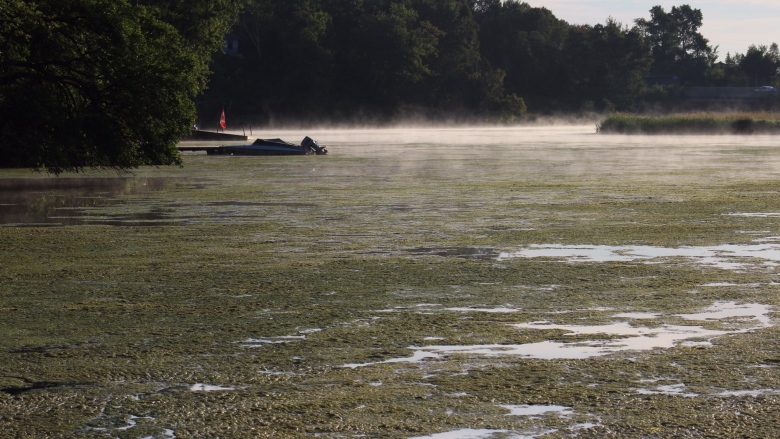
(35, 202)
(459, 252)
(16, 391)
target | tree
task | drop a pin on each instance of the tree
(456, 64)
(677, 45)
(403, 46)
(315, 59)
(606, 65)
(525, 43)
(102, 83)
(760, 64)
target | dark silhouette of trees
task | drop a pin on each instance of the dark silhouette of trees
(366, 60)
(321, 60)
(606, 66)
(102, 83)
(526, 43)
(677, 45)
(760, 64)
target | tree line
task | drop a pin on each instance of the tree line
(485, 60)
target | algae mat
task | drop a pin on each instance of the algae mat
(464, 283)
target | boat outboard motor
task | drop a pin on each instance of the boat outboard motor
(311, 144)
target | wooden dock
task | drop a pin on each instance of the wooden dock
(212, 136)
(192, 143)
(210, 150)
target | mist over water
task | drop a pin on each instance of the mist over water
(68, 201)
(478, 153)
(564, 149)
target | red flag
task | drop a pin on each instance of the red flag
(222, 120)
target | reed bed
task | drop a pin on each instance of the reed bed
(692, 123)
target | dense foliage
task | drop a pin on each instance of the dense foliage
(677, 45)
(348, 59)
(103, 83)
(374, 60)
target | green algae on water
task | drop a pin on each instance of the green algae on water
(241, 319)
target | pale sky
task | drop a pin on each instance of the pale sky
(733, 25)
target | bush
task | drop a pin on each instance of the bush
(691, 123)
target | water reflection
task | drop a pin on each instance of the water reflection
(624, 335)
(71, 201)
(726, 256)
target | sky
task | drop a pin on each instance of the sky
(733, 25)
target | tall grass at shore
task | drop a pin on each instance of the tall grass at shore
(692, 123)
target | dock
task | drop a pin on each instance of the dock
(212, 136)
(210, 150)
(193, 142)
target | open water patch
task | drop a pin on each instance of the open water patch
(622, 335)
(131, 422)
(726, 256)
(200, 387)
(47, 202)
(260, 342)
(465, 433)
(537, 410)
(532, 411)
(747, 393)
(669, 390)
(279, 339)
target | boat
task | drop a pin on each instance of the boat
(271, 147)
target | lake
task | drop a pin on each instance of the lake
(458, 282)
